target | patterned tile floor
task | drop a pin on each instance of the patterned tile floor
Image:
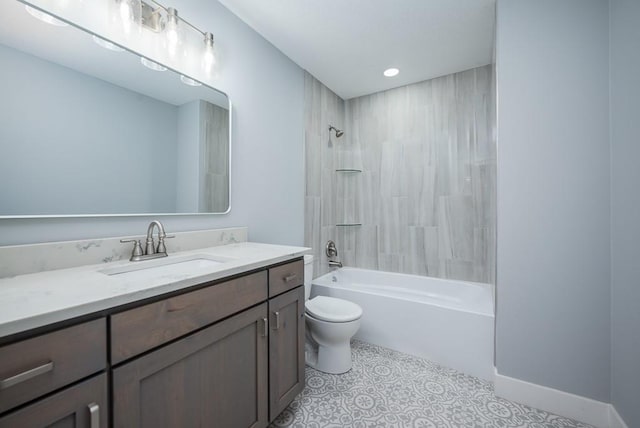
(386, 388)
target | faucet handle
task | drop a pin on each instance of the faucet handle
(330, 249)
(137, 248)
(161, 247)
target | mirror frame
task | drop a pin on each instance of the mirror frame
(169, 68)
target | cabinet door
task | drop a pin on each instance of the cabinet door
(80, 406)
(216, 377)
(286, 349)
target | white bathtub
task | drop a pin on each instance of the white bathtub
(447, 321)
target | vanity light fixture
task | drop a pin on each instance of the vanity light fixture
(160, 19)
(189, 81)
(391, 72)
(152, 65)
(106, 44)
(44, 17)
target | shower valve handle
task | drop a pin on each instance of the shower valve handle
(331, 249)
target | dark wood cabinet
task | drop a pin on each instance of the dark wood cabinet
(226, 354)
(286, 349)
(216, 377)
(84, 405)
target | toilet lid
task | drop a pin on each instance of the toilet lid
(333, 310)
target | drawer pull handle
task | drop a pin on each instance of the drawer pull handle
(24, 376)
(290, 278)
(265, 332)
(94, 414)
(277, 314)
(177, 308)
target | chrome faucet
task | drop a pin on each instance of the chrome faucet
(151, 250)
(150, 247)
(333, 263)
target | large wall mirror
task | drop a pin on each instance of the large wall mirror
(87, 130)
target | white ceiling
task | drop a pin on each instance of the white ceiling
(347, 44)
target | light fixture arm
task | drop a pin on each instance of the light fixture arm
(170, 12)
(151, 17)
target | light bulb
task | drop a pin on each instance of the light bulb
(209, 58)
(172, 31)
(126, 15)
(172, 38)
(45, 17)
(125, 11)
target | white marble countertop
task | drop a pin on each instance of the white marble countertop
(37, 299)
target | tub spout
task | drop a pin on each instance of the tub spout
(333, 263)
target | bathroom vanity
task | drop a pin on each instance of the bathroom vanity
(221, 349)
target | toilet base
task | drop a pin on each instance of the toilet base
(333, 360)
(328, 344)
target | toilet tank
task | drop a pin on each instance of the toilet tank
(308, 275)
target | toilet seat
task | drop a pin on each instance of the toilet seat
(331, 309)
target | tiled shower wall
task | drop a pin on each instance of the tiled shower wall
(424, 201)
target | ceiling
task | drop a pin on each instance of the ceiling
(347, 44)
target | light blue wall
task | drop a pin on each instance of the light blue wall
(107, 124)
(267, 179)
(625, 209)
(553, 277)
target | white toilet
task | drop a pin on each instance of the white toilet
(331, 323)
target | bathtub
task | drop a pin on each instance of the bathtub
(446, 321)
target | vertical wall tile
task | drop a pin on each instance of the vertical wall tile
(432, 252)
(417, 250)
(313, 168)
(426, 194)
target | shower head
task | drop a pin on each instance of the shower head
(339, 133)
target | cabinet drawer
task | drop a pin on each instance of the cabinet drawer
(140, 329)
(33, 367)
(285, 277)
(81, 406)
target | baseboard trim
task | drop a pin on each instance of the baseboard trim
(615, 420)
(583, 409)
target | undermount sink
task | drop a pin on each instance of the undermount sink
(197, 264)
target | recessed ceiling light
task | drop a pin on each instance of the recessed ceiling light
(107, 45)
(391, 72)
(152, 65)
(45, 17)
(188, 81)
